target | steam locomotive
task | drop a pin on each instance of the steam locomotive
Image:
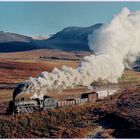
(22, 103)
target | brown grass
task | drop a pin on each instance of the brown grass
(72, 122)
(15, 67)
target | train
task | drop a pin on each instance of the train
(28, 103)
(22, 103)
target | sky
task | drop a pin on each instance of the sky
(46, 18)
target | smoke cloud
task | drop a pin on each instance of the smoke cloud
(116, 45)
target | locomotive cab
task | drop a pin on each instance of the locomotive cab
(49, 102)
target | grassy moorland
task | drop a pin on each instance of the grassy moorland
(16, 67)
(109, 118)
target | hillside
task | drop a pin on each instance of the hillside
(128, 105)
(12, 42)
(70, 39)
(6, 37)
(90, 120)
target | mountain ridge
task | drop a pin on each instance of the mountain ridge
(68, 39)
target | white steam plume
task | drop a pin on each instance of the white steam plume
(115, 44)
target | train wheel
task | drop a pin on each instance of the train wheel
(30, 109)
(21, 110)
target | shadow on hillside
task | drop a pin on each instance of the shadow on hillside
(122, 127)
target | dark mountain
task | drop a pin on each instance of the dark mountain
(12, 42)
(69, 39)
